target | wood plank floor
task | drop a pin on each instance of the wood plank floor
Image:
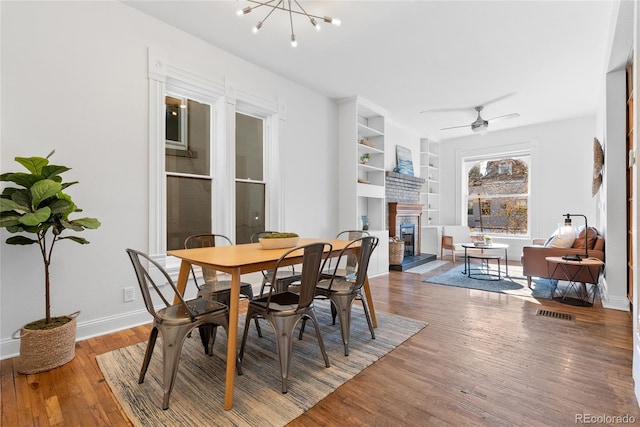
(485, 359)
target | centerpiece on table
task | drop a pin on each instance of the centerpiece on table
(278, 240)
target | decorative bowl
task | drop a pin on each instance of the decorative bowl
(278, 243)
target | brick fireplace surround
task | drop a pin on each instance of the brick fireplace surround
(403, 193)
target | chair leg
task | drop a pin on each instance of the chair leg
(366, 314)
(529, 281)
(148, 353)
(283, 327)
(312, 315)
(343, 307)
(249, 294)
(172, 341)
(250, 313)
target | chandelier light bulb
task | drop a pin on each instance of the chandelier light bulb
(294, 42)
(315, 23)
(334, 21)
(244, 11)
(257, 27)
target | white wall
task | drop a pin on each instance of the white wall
(74, 79)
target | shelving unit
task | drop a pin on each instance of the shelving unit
(430, 195)
(362, 183)
(430, 170)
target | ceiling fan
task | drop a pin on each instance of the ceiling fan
(481, 125)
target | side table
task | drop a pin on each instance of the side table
(571, 270)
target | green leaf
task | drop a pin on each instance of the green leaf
(10, 205)
(43, 190)
(76, 239)
(70, 225)
(33, 164)
(53, 171)
(22, 179)
(61, 206)
(23, 198)
(91, 223)
(20, 240)
(68, 184)
(37, 217)
(9, 219)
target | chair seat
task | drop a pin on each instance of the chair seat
(284, 302)
(177, 314)
(340, 286)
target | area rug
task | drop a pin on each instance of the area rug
(515, 284)
(198, 395)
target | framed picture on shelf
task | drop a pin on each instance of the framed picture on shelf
(404, 160)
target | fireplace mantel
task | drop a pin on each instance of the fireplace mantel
(397, 209)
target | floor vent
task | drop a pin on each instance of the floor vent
(554, 314)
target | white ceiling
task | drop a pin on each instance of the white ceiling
(542, 59)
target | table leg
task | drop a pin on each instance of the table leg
(234, 305)
(183, 277)
(506, 263)
(369, 302)
(465, 261)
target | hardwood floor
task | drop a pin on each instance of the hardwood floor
(485, 359)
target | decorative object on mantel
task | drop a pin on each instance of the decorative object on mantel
(287, 7)
(598, 162)
(405, 162)
(37, 205)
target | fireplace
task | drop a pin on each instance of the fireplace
(408, 235)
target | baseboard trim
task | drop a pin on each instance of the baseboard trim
(89, 329)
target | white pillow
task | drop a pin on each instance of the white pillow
(564, 239)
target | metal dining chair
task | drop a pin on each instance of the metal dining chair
(350, 260)
(175, 321)
(284, 278)
(285, 309)
(213, 288)
(343, 291)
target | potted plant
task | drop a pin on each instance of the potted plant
(364, 159)
(38, 207)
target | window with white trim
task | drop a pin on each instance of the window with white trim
(497, 192)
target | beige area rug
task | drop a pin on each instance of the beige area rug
(198, 394)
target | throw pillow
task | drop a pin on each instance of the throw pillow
(591, 238)
(562, 239)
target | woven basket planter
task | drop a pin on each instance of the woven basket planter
(41, 350)
(396, 252)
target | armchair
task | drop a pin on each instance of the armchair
(534, 263)
(453, 236)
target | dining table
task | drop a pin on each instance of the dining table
(243, 259)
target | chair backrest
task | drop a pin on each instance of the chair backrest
(313, 261)
(256, 236)
(351, 261)
(146, 282)
(367, 245)
(460, 233)
(206, 241)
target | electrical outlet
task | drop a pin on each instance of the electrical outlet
(128, 294)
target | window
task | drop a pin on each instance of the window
(189, 179)
(498, 194)
(250, 182)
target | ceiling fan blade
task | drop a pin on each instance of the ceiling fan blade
(506, 116)
(500, 98)
(456, 127)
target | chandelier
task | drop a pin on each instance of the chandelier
(289, 7)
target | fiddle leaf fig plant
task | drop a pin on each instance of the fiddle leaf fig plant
(39, 207)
